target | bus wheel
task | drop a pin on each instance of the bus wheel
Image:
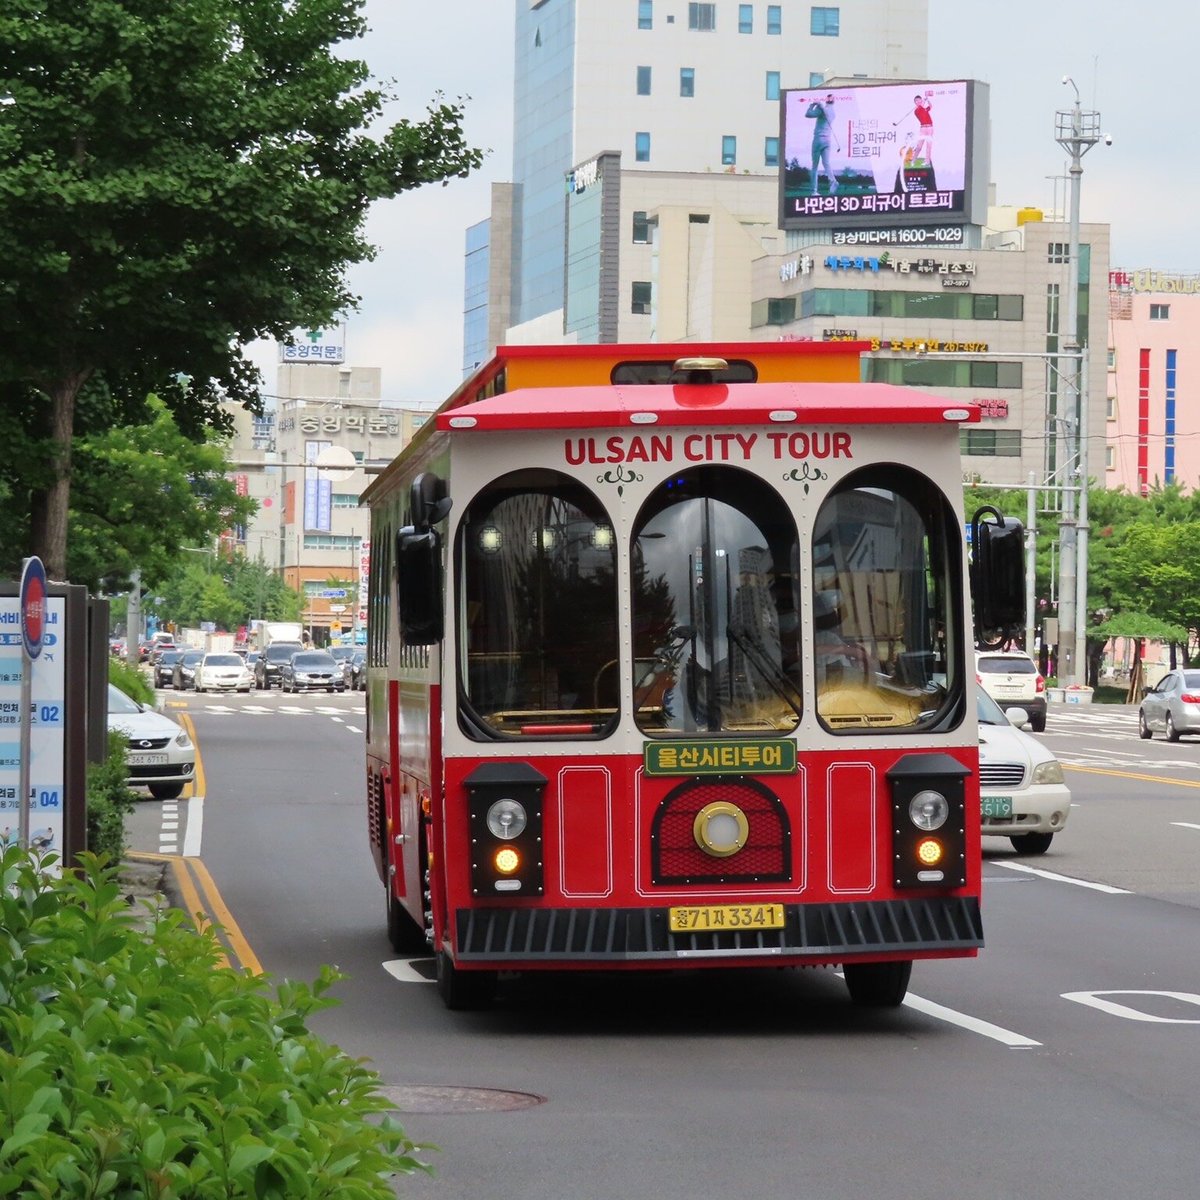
(877, 985)
(463, 991)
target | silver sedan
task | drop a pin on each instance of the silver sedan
(1171, 706)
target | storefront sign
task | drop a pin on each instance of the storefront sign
(1154, 281)
(902, 266)
(802, 265)
(914, 345)
(919, 235)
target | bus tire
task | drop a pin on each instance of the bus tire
(406, 936)
(877, 985)
(463, 991)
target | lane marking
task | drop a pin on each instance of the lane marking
(1093, 1000)
(1188, 783)
(1185, 825)
(224, 918)
(402, 969)
(195, 827)
(972, 1024)
(354, 729)
(1056, 878)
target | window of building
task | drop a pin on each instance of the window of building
(645, 14)
(1110, 458)
(823, 22)
(775, 18)
(1110, 408)
(641, 142)
(816, 78)
(991, 443)
(641, 296)
(1160, 312)
(728, 150)
(1112, 358)
(641, 228)
(702, 17)
(643, 81)
(1058, 252)
(771, 152)
(772, 85)
(687, 81)
(745, 18)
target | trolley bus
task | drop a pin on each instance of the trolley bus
(670, 664)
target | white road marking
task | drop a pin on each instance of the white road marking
(972, 1024)
(1093, 1000)
(1051, 875)
(195, 827)
(354, 729)
(401, 969)
(1185, 825)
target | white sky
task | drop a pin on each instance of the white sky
(1134, 65)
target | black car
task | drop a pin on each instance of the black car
(358, 671)
(312, 670)
(270, 663)
(344, 655)
(164, 668)
(184, 675)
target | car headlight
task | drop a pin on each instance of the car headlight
(183, 741)
(1048, 772)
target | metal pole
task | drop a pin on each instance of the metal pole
(1081, 528)
(24, 772)
(1030, 564)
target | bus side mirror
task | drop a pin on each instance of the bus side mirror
(419, 586)
(997, 577)
(428, 501)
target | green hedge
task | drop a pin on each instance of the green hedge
(133, 1066)
(131, 680)
(109, 800)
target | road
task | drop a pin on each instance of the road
(1062, 1062)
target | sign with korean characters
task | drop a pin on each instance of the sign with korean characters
(47, 731)
(759, 756)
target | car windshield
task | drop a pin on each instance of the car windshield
(118, 702)
(170, 658)
(1014, 665)
(309, 661)
(222, 660)
(281, 653)
(340, 652)
(191, 658)
(1191, 679)
(988, 711)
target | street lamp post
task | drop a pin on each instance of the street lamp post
(1076, 132)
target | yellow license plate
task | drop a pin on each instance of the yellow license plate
(707, 918)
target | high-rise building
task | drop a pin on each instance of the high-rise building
(671, 87)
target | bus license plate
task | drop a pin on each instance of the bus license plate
(706, 918)
(997, 806)
(147, 760)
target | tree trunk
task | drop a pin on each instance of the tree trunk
(48, 520)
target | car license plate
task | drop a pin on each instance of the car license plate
(706, 918)
(997, 806)
(146, 760)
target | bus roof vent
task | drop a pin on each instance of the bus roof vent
(697, 370)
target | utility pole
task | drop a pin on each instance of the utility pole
(1076, 132)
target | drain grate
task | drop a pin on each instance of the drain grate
(458, 1099)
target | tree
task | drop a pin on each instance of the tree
(177, 181)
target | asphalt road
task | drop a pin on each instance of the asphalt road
(1062, 1062)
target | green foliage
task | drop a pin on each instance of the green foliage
(230, 591)
(109, 800)
(177, 181)
(132, 1065)
(130, 680)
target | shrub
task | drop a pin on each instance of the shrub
(131, 1065)
(130, 680)
(109, 800)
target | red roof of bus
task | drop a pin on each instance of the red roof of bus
(708, 404)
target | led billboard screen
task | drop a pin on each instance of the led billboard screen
(881, 154)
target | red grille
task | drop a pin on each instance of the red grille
(766, 856)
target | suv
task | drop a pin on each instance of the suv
(270, 662)
(1012, 679)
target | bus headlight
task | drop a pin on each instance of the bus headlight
(506, 819)
(928, 810)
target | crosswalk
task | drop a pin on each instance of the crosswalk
(291, 710)
(1107, 737)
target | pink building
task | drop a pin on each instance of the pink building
(1153, 381)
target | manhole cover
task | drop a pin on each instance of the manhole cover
(458, 1099)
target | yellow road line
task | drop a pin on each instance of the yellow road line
(1188, 783)
(197, 783)
(224, 918)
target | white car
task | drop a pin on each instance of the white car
(223, 673)
(1012, 679)
(1022, 793)
(159, 753)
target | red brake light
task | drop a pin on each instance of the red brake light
(1190, 698)
(1041, 684)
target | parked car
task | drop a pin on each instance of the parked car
(1012, 679)
(222, 673)
(185, 669)
(271, 660)
(1171, 706)
(312, 670)
(160, 755)
(358, 671)
(1022, 793)
(164, 668)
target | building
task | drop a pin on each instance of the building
(672, 87)
(306, 463)
(1153, 428)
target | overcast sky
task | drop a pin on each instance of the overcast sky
(1132, 64)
